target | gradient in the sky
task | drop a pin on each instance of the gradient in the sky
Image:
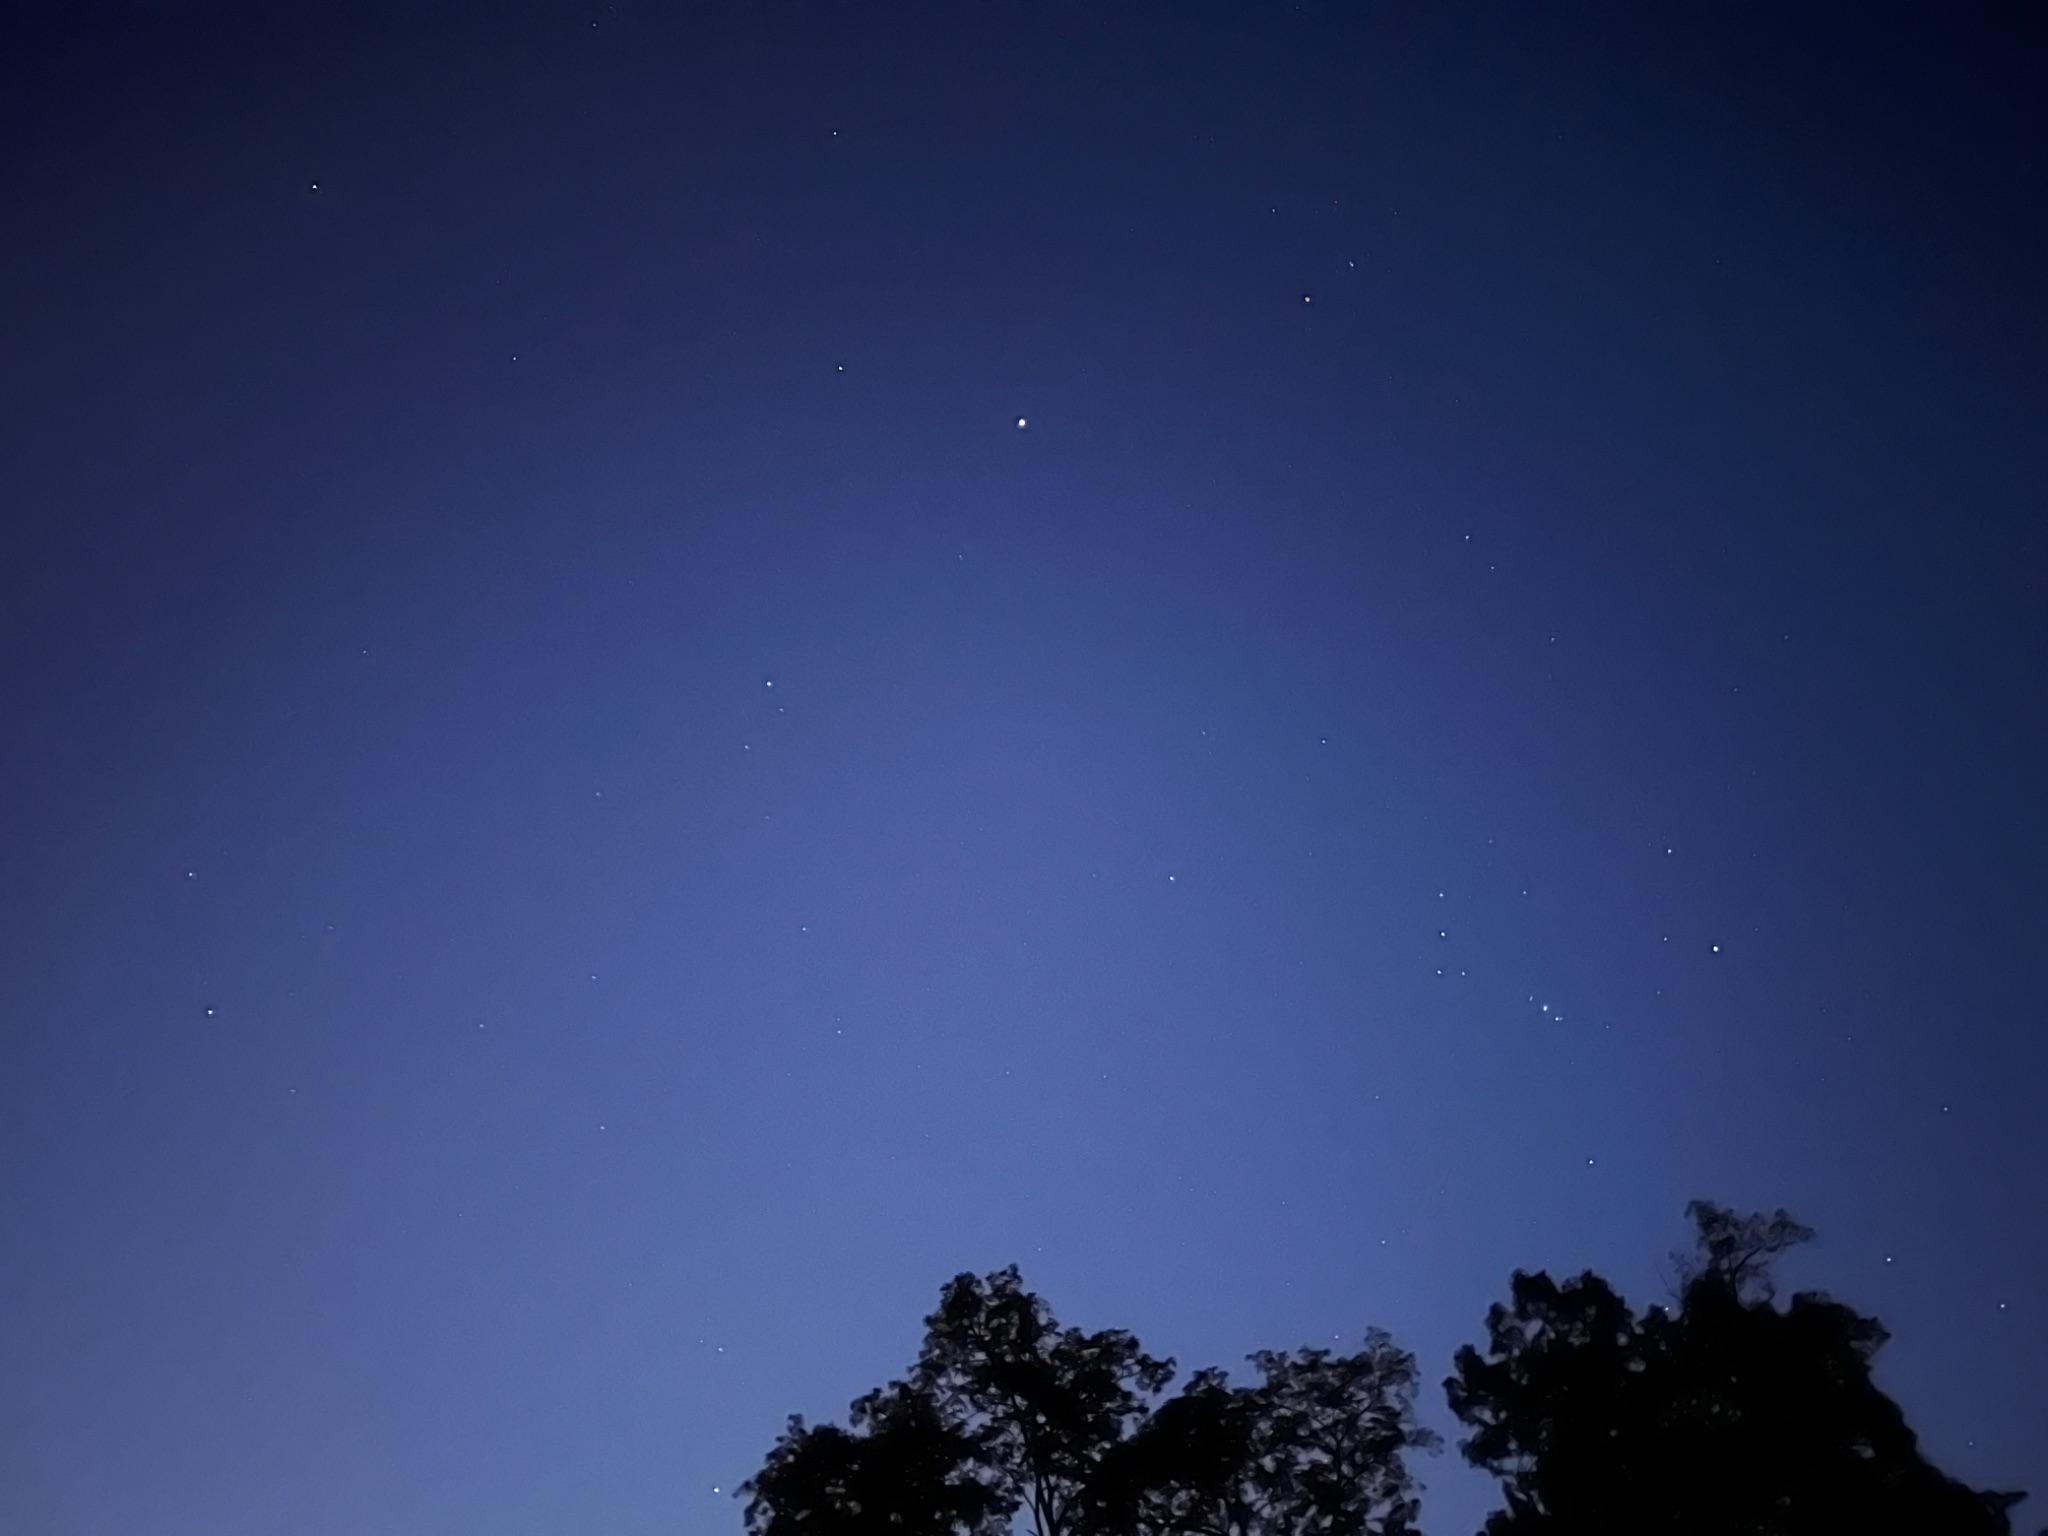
(587, 817)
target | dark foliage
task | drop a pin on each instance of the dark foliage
(1729, 1416)
(1006, 1411)
(1317, 1448)
(901, 1471)
(1046, 1403)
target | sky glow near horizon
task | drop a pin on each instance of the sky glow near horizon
(668, 676)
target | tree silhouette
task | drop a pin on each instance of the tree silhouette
(1006, 1411)
(902, 1471)
(1730, 1415)
(1317, 1448)
(1045, 1403)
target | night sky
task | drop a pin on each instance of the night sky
(669, 671)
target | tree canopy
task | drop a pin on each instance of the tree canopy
(901, 1471)
(1006, 1411)
(1317, 1447)
(1729, 1415)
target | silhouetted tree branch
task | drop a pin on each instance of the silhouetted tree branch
(1005, 1411)
(901, 1471)
(1729, 1415)
(1046, 1403)
(1317, 1448)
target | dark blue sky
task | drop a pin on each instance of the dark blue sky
(587, 818)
